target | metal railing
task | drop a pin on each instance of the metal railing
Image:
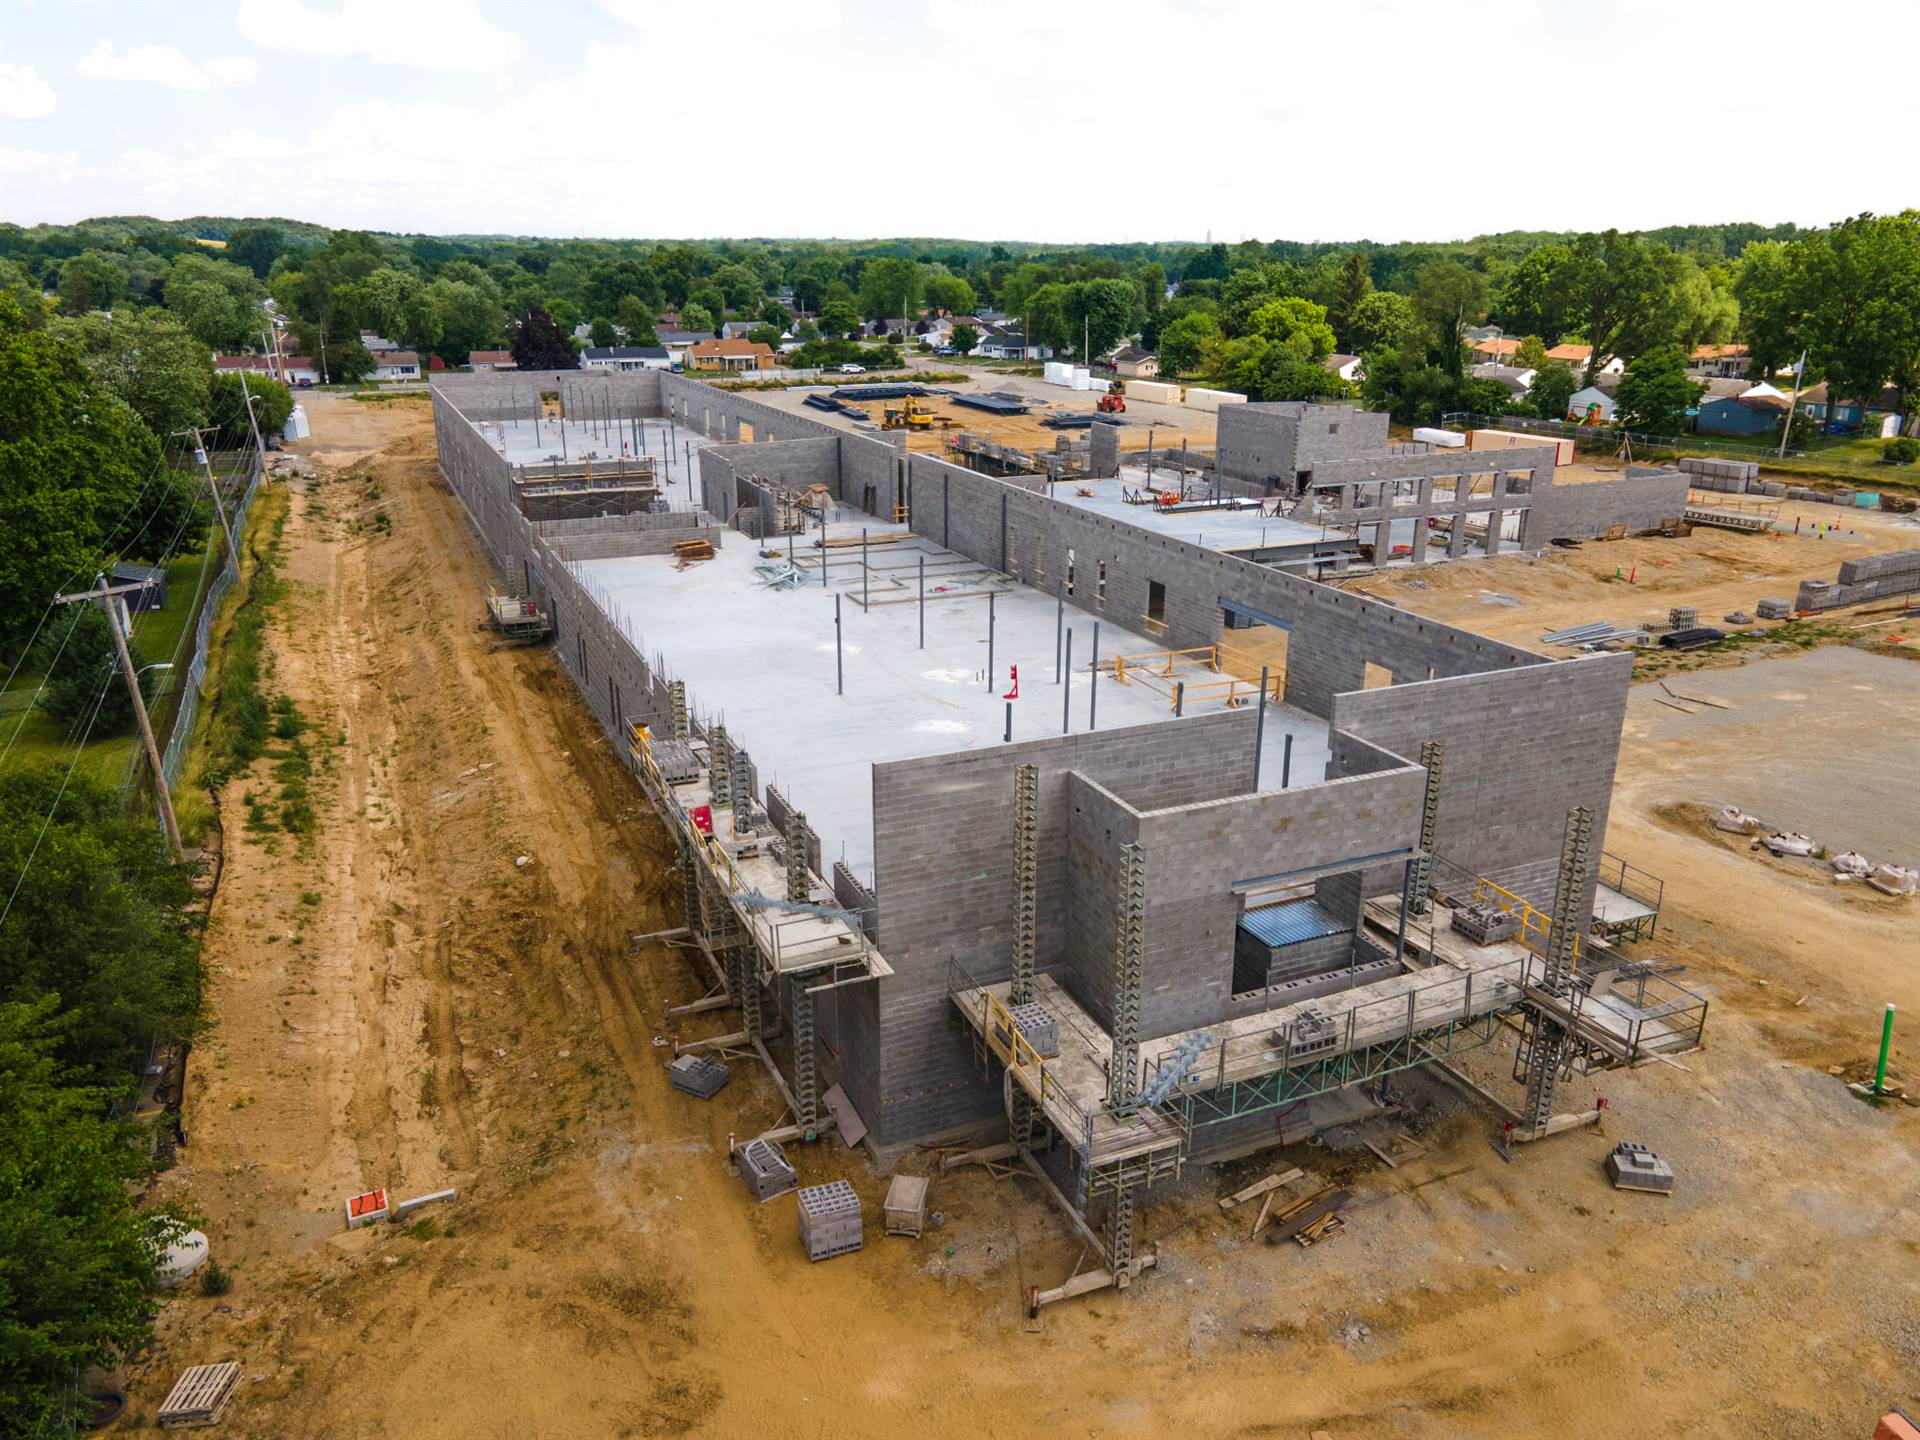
(1631, 881)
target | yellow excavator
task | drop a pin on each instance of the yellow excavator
(910, 414)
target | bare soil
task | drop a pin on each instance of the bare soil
(440, 1014)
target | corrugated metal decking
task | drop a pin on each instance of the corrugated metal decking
(1292, 922)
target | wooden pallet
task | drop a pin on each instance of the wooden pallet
(200, 1395)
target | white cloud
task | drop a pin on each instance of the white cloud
(450, 35)
(164, 65)
(23, 94)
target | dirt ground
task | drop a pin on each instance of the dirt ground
(1163, 425)
(1519, 598)
(399, 1000)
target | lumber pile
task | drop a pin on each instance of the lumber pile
(1309, 1217)
(691, 552)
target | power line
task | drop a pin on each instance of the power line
(59, 795)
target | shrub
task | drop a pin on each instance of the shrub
(1901, 450)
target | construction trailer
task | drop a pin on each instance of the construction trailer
(1116, 916)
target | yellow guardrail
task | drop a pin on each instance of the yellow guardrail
(1536, 928)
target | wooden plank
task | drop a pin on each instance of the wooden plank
(1261, 1219)
(200, 1395)
(1305, 1214)
(1260, 1187)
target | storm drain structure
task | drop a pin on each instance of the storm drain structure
(999, 812)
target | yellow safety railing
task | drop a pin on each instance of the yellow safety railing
(1536, 928)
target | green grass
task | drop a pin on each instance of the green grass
(37, 738)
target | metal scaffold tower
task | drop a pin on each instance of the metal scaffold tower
(1546, 1038)
(797, 848)
(719, 766)
(1420, 873)
(1123, 1076)
(740, 792)
(1026, 868)
(806, 1079)
(682, 728)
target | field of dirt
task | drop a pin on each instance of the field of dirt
(435, 988)
(1519, 598)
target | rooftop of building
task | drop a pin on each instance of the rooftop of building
(762, 660)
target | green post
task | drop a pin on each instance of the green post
(1886, 1044)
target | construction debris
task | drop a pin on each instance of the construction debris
(691, 552)
(1635, 1167)
(366, 1209)
(1289, 1222)
(1260, 1187)
(200, 1395)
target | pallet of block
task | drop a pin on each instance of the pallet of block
(200, 1395)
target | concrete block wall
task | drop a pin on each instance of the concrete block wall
(943, 843)
(1197, 852)
(791, 465)
(1640, 500)
(509, 394)
(1260, 449)
(1522, 747)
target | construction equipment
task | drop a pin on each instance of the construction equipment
(1114, 402)
(910, 414)
(516, 620)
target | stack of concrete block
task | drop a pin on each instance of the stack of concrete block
(700, 1075)
(1773, 489)
(1486, 924)
(1683, 617)
(1635, 1167)
(1153, 390)
(1038, 1028)
(1803, 492)
(1870, 577)
(830, 1221)
(1773, 609)
(1734, 477)
(765, 1169)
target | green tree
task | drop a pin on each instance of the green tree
(256, 247)
(1352, 284)
(91, 280)
(1186, 344)
(768, 335)
(949, 293)
(1624, 296)
(1655, 393)
(601, 332)
(76, 1259)
(1768, 286)
(740, 286)
(76, 472)
(227, 408)
(697, 318)
(709, 300)
(1537, 294)
(1448, 296)
(1861, 299)
(964, 339)
(1383, 320)
(147, 358)
(1552, 389)
(219, 302)
(1532, 353)
(1299, 325)
(890, 288)
(83, 688)
(539, 344)
(1098, 314)
(839, 318)
(635, 319)
(1707, 312)
(25, 290)
(776, 315)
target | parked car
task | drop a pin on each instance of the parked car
(946, 350)
(852, 369)
(303, 384)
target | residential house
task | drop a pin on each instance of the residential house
(1718, 362)
(377, 345)
(1841, 416)
(1012, 345)
(1494, 350)
(1754, 410)
(1349, 368)
(396, 365)
(666, 320)
(625, 357)
(1591, 406)
(739, 329)
(1484, 332)
(1575, 354)
(287, 369)
(679, 342)
(478, 360)
(731, 355)
(1136, 364)
(1517, 381)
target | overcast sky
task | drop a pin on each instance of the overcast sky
(1019, 119)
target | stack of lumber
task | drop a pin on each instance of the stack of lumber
(690, 552)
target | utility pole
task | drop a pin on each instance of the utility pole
(108, 596)
(1799, 375)
(213, 488)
